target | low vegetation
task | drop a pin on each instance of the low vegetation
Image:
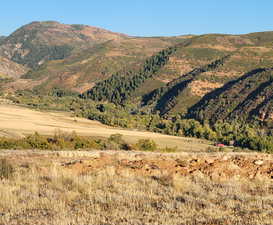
(129, 116)
(6, 169)
(71, 141)
(46, 190)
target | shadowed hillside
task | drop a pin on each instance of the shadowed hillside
(245, 98)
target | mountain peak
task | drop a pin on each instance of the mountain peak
(38, 42)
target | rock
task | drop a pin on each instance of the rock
(258, 162)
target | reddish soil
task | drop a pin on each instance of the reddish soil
(217, 166)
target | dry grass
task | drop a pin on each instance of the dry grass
(17, 121)
(43, 191)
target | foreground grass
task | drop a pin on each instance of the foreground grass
(42, 192)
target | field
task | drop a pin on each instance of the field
(110, 187)
(18, 121)
(125, 188)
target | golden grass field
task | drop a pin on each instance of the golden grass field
(135, 188)
(16, 121)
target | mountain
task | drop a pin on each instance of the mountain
(196, 66)
(2, 38)
(38, 42)
(76, 56)
(189, 75)
(82, 69)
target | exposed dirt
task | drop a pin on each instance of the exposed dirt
(22, 84)
(11, 69)
(216, 166)
(219, 166)
(200, 88)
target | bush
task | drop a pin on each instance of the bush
(169, 149)
(146, 145)
(117, 138)
(37, 141)
(6, 143)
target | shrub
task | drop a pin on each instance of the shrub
(37, 141)
(117, 138)
(6, 143)
(169, 149)
(146, 145)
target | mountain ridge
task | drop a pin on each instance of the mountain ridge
(115, 67)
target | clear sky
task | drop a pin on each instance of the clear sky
(144, 17)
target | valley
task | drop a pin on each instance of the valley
(99, 127)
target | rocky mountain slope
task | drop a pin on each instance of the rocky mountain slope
(10, 69)
(2, 39)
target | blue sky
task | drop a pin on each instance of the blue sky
(144, 17)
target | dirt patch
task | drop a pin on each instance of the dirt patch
(214, 166)
(22, 84)
(181, 65)
(217, 47)
(200, 88)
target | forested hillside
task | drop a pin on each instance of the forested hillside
(165, 98)
(247, 98)
(119, 88)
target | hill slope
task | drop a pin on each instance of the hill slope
(168, 75)
(38, 42)
(247, 98)
(82, 69)
(10, 69)
(199, 65)
(76, 56)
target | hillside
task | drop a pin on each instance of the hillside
(84, 68)
(75, 56)
(165, 75)
(247, 98)
(197, 66)
(38, 42)
(10, 69)
(2, 38)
